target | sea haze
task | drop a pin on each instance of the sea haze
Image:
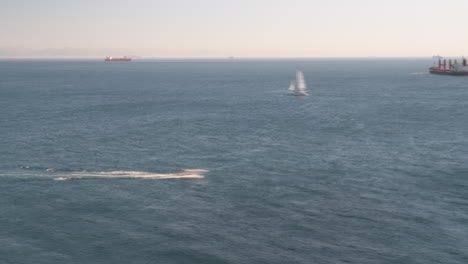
(210, 161)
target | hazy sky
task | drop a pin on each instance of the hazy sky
(240, 28)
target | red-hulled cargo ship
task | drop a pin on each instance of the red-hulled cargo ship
(455, 68)
(118, 59)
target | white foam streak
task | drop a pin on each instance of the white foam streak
(420, 73)
(184, 174)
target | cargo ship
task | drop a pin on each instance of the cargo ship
(454, 68)
(125, 58)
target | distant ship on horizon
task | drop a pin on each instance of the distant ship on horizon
(125, 58)
(455, 68)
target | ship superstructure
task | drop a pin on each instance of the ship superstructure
(454, 67)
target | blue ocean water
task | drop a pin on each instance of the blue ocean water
(372, 167)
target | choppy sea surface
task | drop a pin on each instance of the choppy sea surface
(209, 161)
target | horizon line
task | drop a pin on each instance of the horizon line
(218, 58)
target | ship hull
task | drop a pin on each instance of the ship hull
(453, 73)
(298, 94)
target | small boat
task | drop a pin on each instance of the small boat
(299, 87)
(125, 58)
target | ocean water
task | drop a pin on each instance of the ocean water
(209, 161)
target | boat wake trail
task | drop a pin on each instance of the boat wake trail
(64, 175)
(420, 73)
(184, 174)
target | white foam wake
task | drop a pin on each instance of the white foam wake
(420, 73)
(184, 174)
